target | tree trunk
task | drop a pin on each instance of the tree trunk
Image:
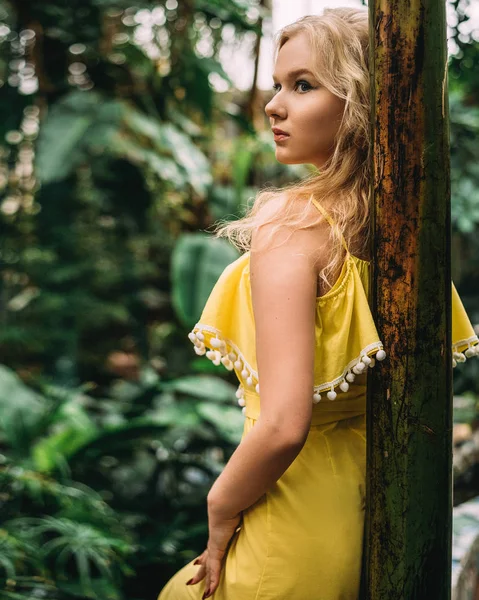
(409, 488)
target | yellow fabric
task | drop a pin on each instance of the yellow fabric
(302, 540)
(463, 335)
(345, 328)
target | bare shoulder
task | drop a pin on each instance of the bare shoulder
(308, 233)
(273, 207)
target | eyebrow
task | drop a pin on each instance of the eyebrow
(293, 74)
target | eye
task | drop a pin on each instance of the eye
(302, 82)
(299, 82)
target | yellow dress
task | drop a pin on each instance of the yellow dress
(302, 540)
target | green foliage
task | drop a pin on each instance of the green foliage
(87, 545)
(115, 149)
(22, 412)
(83, 125)
(197, 262)
(57, 528)
(464, 164)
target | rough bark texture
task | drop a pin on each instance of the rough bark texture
(409, 504)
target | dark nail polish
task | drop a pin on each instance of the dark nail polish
(197, 561)
(189, 582)
(206, 594)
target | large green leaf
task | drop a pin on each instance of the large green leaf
(191, 159)
(228, 420)
(223, 202)
(62, 142)
(196, 264)
(83, 125)
(21, 411)
(204, 387)
(169, 148)
(174, 413)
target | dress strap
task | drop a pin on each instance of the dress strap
(330, 220)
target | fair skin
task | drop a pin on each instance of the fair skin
(302, 107)
(284, 286)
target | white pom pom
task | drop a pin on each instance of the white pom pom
(257, 388)
(215, 342)
(227, 363)
(331, 395)
(238, 365)
(460, 357)
(192, 337)
(243, 410)
(249, 381)
(372, 363)
(316, 397)
(380, 355)
(470, 352)
(211, 354)
(241, 401)
(344, 385)
(454, 363)
(199, 350)
(350, 377)
(244, 373)
(232, 356)
(359, 368)
(239, 392)
(200, 336)
(366, 359)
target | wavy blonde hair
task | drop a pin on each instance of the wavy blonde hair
(340, 36)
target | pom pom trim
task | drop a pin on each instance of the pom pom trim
(471, 350)
(224, 351)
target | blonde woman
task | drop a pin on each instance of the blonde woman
(291, 317)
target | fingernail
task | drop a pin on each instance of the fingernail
(206, 594)
(189, 582)
(197, 561)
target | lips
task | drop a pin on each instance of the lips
(278, 132)
(280, 138)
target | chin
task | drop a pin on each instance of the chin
(287, 160)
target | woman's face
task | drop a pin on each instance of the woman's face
(302, 108)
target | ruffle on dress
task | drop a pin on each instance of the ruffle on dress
(225, 332)
(465, 342)
(347, 339)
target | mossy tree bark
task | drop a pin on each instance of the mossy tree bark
(409, 488)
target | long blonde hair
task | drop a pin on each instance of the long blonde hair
(340, 37)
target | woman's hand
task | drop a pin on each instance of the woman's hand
(221, 530)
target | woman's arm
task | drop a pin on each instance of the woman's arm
(283, 287)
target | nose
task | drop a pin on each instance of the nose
(275, 108)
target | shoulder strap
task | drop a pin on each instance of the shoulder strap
(328, 218)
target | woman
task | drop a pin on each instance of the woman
(286, 514)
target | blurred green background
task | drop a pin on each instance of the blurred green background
(122, 140)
